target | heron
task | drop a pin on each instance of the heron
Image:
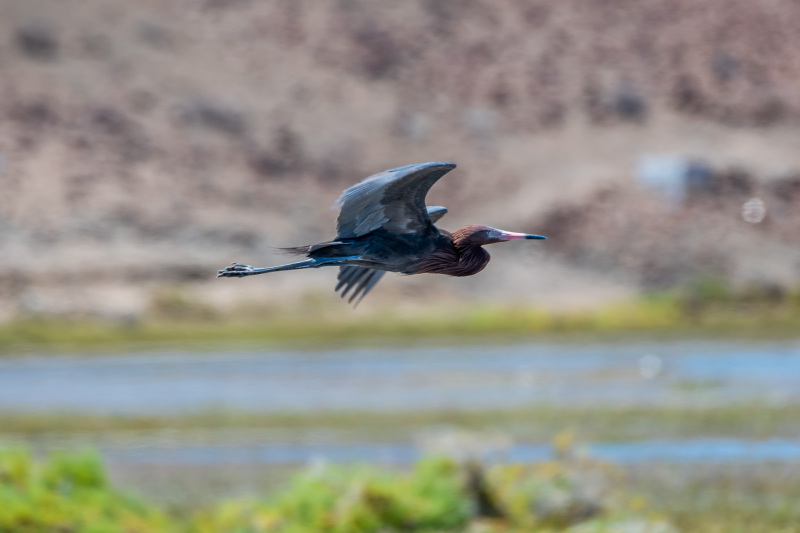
(385, 226)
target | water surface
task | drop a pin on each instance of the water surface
(685, 372)
(620, 374)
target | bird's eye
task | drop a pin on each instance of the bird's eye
(490, 234)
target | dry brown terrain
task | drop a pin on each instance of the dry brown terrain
(146, 144)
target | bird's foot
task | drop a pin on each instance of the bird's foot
(235, 270)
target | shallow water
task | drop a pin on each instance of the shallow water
(630, 373)
(685, 372)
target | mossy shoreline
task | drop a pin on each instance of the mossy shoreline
(539, 423)
(312, 328)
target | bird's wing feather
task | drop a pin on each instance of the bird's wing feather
(359, 278)
(362, 278)
(393, 200)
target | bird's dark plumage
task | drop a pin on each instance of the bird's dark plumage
(362, 279)
(393, 200)
(384, 225)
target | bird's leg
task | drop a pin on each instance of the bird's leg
(239, 271)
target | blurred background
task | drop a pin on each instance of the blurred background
(146, 144)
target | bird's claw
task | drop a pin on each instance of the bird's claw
(235, 270)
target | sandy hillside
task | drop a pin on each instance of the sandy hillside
(146, 144)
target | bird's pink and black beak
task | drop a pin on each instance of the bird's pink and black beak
(510, 236)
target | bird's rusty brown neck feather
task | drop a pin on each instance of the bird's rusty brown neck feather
(461, 258)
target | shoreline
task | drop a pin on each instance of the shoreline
(650, 315)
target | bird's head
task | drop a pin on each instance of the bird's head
(481, 235)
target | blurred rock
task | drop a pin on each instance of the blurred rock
(786, 189)
(37, 42)
(726, 67)
(111, 122)
(34, 114)
(629, 104)
(285, 157)
(216, 117)
(155, 35)
(378, 53)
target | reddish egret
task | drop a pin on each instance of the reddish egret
(384, 225)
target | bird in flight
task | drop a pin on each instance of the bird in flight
(385, 226)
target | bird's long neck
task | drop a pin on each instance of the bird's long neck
(472, 258)
(460, 258)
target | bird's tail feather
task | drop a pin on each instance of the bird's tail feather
(307, 249)
(295, 250)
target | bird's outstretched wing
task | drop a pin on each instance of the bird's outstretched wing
(361, 279)
(393, 200)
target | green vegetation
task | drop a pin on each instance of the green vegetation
(709, 307)
(70, 493)
(607, 423)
